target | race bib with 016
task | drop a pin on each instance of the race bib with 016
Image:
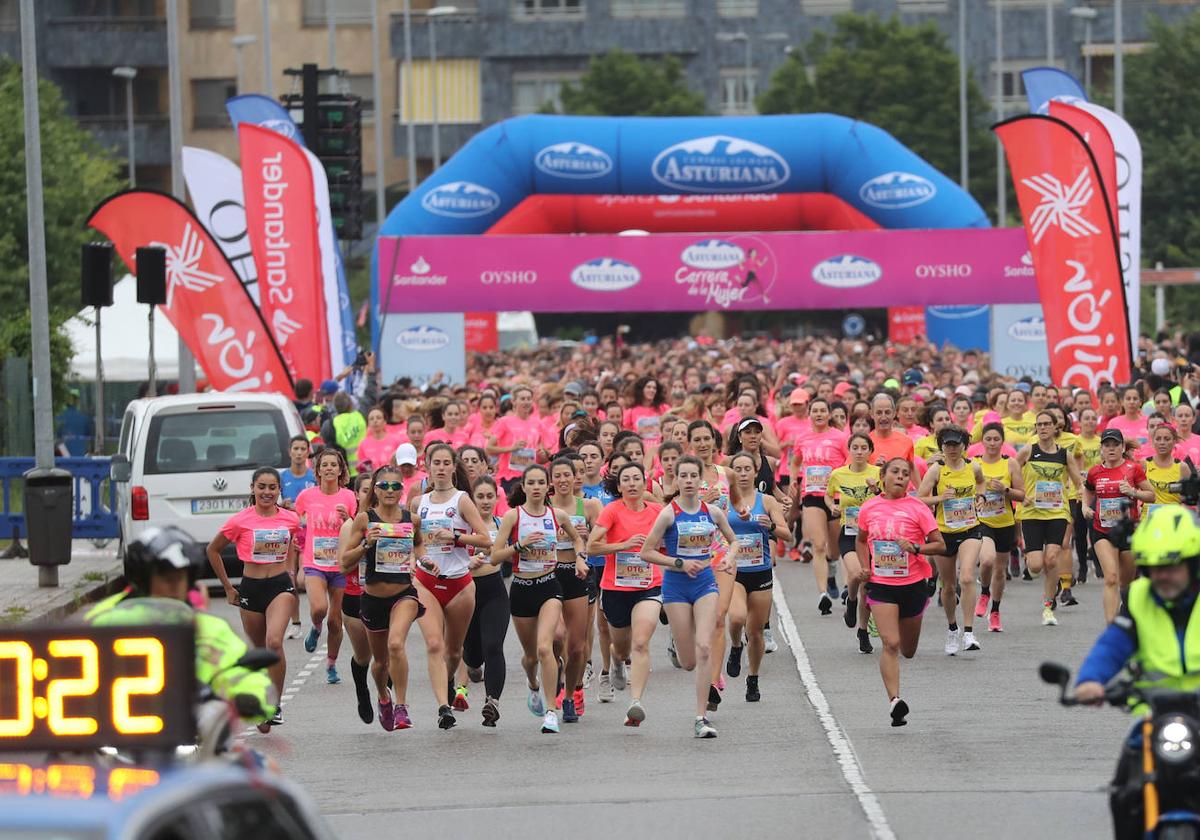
(521, 457)
(537, 558)
(437, 523)
(992, 506)
(1111, 511)
(889, 559)
(959, 513)
(632, 572)
(325, 552)
(750, 551)
(816, 478)
(270, 545)
(851, 526)
(394, 548)
(695, 538)
(1048, 495)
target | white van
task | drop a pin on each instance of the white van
(187, 460)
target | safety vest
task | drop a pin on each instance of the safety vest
(1165, 662)
(350, 429)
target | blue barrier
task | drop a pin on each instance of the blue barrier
(99, 521)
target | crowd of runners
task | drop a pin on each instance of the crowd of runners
(592, 494)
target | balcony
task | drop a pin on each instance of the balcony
(92, 42)
(151, 137)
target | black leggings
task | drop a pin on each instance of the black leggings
(1082, 533)
(484, 644)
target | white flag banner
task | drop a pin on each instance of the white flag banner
(215, 184)
(1129, 209)
(329, 262)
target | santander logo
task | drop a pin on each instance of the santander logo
(606, 274)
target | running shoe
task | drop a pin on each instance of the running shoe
(871, 628)
(558, 698)
(1067, 599)
(534, 702)
(673, 654)
(752, 692)
(475, 675)
(952, 642)
(331, 675)
(403, 721)
(806, 551)
(277, 718)
(733, 666)
(491, 712)
(845, 594)
(460, 699)
(1014, 566)
(550, 723)
(769, 643)
(365, 713)
(704, 729)
(620, 676)
(714, 698)
(446, 717)
(899, 712)
(588, 675)
(310, 641)
(662, 616)
(635, 714)
(569, 715)
(580, 705)
(981, 605)
(387, 716)
(994, 625)
(1026, 576)
(864, 642)
(605, 691)
(969, 642)
(850, 615)
(1048, 619)
(293, 631)
(831, 589)
(825, 604)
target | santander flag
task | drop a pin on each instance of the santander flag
(282, 220)
(206, 302)
(1072, 238)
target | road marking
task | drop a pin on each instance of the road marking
(302, 676)
(852, 771)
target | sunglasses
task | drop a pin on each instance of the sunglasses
(389, 485)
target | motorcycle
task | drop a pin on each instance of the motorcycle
(1160, 776)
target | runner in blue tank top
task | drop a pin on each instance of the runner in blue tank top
(593, 487)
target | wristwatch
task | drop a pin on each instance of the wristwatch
(678, 562)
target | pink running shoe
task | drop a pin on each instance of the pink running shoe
(387, 715)
(994, 623)
(402, 719)
(981, 605)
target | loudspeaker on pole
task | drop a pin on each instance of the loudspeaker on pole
(97, 274)
(152, 275)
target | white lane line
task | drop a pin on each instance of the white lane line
(302, 676)
(852, 771)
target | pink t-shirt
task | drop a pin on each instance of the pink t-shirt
(322, 525)
(1134, 430)
(789, 429)
(644, 420)
(1189, 447)
(820, 453)
(916, 432)
(975, 450)
(377, 452)
(885, 521)
(457, 438)
(507, 431)
(261, 539)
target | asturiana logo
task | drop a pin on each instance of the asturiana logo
(712, 253)
(422, 339)
(460, 200)
(720, 164)
(897, 190)
(573, 160)
(846, 271)
(1032, 328)
(606, 274)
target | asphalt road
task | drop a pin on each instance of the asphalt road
(987, 753)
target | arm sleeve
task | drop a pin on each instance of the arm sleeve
(1111, 651)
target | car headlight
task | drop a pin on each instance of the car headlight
(1175, 741)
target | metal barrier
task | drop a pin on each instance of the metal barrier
(95, 511)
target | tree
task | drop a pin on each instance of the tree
(621, 84)
(901, 78)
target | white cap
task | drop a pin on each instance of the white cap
(1160, 367)
(406, 453)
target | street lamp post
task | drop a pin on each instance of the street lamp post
(187, 364)
(963, 166)
(1001, 194)
(268, 91)
(432, 15)
(129, 74)
(239, 42)
(1119, 57)
(410, 129)
(1087, 14)
(1049, 33)
(377, 95)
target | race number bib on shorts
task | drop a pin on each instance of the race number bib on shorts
(750, 551)
(1111, 511)
(1048, 495)
(992, 506)
(325, 552)
(632, 571)
(437, 523)
(959, 513)
(889, 559)
(394, 548)
(695, 538)
(522, 457)
(816, 479)
(537, 558)
(270, 545)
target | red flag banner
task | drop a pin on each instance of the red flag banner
(282, 219)
(1093, 132)
(1072, 240)
(481, 334)
(206, 302)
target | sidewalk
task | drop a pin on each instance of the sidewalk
(92, 574)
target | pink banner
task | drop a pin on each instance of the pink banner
(698, 272)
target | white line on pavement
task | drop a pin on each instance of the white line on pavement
(852, 771)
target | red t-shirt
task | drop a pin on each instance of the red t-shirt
(1105, 482)
(625, 571)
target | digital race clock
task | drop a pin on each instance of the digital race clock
(80, 687)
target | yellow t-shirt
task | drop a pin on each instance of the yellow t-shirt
(850, 488)
(995, 510)
(957, 514)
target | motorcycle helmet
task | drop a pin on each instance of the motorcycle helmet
(163, 549)
(1168, 536)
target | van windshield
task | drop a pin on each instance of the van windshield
(207, 441)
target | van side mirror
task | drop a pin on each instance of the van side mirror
(120, 470)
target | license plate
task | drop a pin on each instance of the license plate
(224, 504)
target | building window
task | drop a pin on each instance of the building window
(458, 91)
(737, 8)
(10, 18)
(362, 86)
(826, 7)
(548, 9)
(738, 90)
(533, 91)
(345, 12)
(649, 8)
(921, 7)
(208, 102)
(109, 10)
(212, 14)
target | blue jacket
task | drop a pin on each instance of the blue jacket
(1119, 640)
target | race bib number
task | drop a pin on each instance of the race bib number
(695, 538)
(850, 515)
(1110, 511)
(521, 457)
(537, 558)
(325, 552)
(959, 513)
(889, 559)
(394, 548)
(816, 479)
(750, 551)
(1048, 495)
(647, 427)
(579, 523)
(270, 545)
(992, 506)
(632, 571)
(437, 523)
